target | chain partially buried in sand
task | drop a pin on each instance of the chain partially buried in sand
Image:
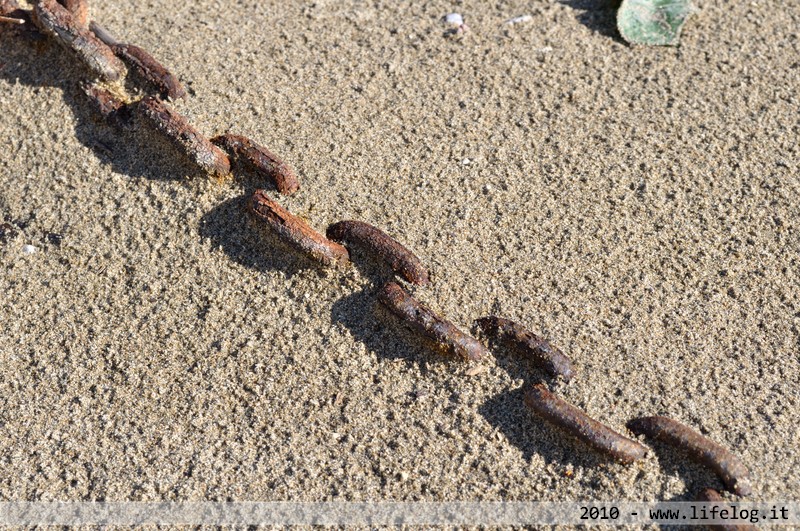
(177, 130)
(577, 423)
(55, 21)
(419, 317)
(700, 448)
(67, 22)
(263, 161)
(165, 82)
(402, 261)
(296, 232)
(548, 358)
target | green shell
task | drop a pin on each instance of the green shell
(656, 22)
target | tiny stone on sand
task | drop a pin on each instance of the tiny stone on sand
(29, 249)
(457, 22)
(518, 20)
(454, 18)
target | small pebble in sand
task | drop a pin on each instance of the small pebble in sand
(457, 21)
(29, 249)
(518, 20)
(454, 18)
(466, 162)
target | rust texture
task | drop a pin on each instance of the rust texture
(11, 20)
(79, 9)
(400, 259)
(296, 232)
(260, 159)
(180, 133)
(710, 495)
(54, 20)
(577, 423)
(107, 104)
(700, 448)
(8, 6)
(165, 82)
(544, 355)
(420, 318)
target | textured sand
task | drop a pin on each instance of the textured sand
(637, 206)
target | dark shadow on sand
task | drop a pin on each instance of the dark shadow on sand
(229, 226)
(30, 59)
(375, 326)
(673, 462)
(598, 15)
(508, 413)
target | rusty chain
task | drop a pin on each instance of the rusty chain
(67, 22)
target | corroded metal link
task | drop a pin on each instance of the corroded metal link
(698, 447)
(400, 259)
(177, 130)
(54, 20)
(543, 354)
(152, 71)
(296, 232)
(444, 334)
(260, 159)
(578, 424)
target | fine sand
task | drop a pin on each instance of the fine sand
(637, 206)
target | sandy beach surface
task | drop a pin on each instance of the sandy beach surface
(636, 206)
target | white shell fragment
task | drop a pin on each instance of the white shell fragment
(454, 18)
(518, 20)
(29, 249)
(456, 22)
(478, 369)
